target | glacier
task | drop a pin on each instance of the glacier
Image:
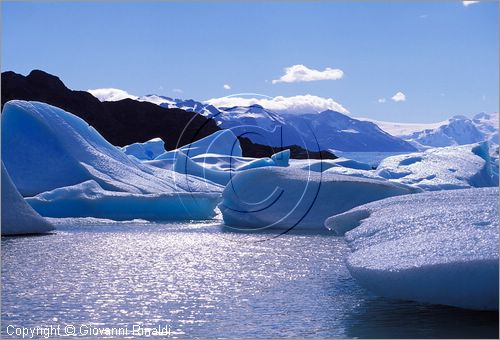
(458, 130)
(435, 247)
(277, 197)
(46, 148)
(451, 167)
(18, 217)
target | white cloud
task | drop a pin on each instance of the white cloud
(295, 104)
(468, 3)
(111, 94)
(399, 97)
(301, 73)
(381, 100)
(227, 87)
(177, 91)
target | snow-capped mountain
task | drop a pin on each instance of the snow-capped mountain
(488, 125)
(337, 131)
(403, 129)
(327, 130)
(330, 129)
(458, 130)
(334, 130)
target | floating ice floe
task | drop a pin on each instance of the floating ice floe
(145, 151)
(17, 216)
(45, 148)
(88, 199)
(451, 167)
(288, 197)
(434, 247)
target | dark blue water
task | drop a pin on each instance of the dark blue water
(203, 281)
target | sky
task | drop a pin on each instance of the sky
(392, 61)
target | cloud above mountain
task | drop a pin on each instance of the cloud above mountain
(111, 94)
(293, 105)
(301, 73)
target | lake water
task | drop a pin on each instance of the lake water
(203, 281)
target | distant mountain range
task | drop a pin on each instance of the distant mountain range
(130, 120)
(125, 119)
(327, 130)
(458, 130)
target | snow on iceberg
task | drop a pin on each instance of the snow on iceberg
(287, 197)
(145, 151)
(222, 142)
(88, 199)
(44, 148)
(17, 216)
(451, 167)
(433, 247)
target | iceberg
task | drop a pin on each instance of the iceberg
(451, 167)
(434, 247)
(222, 142)
(277, 197)
(38, 136)
(88, 199)
(341, 170)
(352, 164)
(221, 162)
(18, 217)
(281, 158)
(46, 148)
(187, 166)
(320, 165)
(145, 151)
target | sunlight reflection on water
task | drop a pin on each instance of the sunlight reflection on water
(204, 281)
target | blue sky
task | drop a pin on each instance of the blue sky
(443, 56)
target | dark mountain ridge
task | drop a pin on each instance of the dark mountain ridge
(129, 121)
(121, 123)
